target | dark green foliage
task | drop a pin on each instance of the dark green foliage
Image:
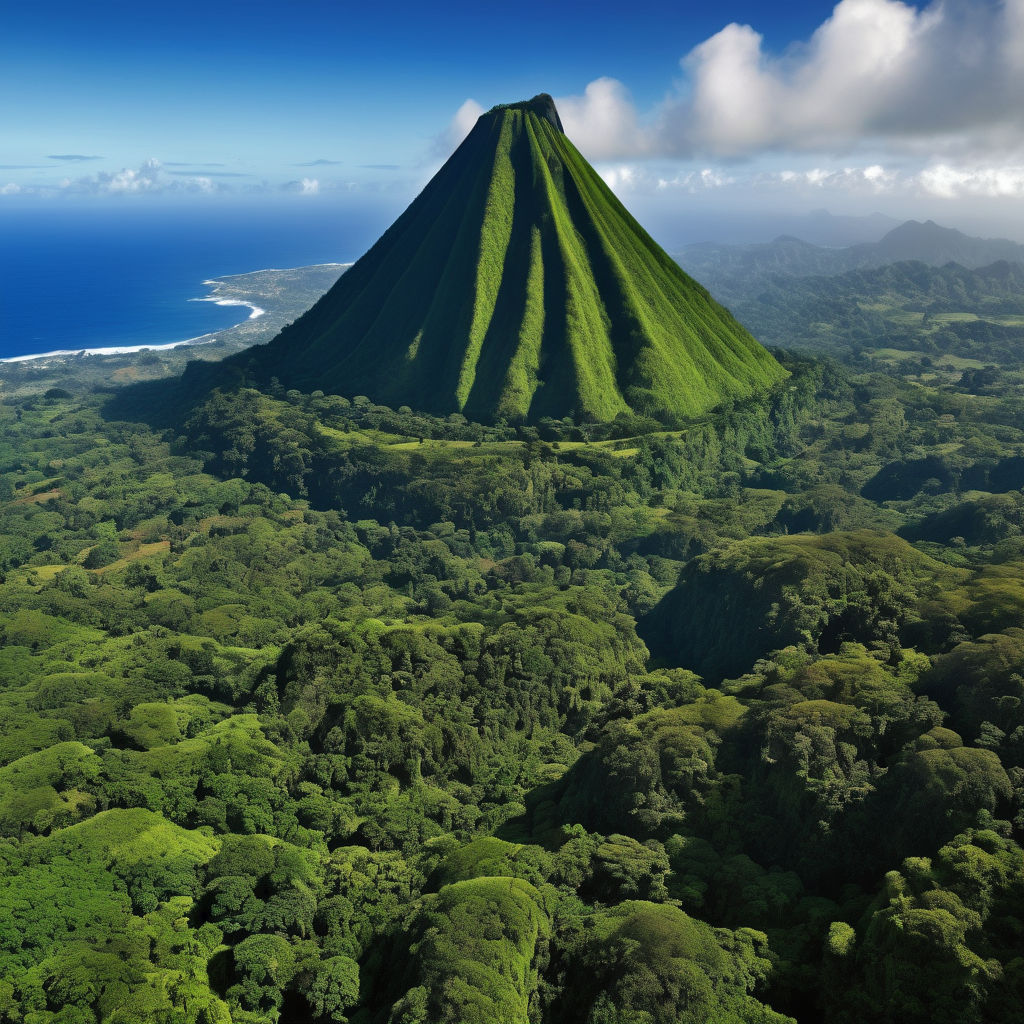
(736, 605)
(644, 961)
(473, 954)
(982, 683)
(942, 940)
(352, 727)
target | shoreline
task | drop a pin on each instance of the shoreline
(125, 350)
(201, 339)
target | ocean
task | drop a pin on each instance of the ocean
(74, 277)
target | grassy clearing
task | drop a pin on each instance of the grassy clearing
(158, 547)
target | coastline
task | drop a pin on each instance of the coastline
(256, 310)
(124, 350)
(223, 283)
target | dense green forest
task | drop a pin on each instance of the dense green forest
(929, 323)
(317, 710)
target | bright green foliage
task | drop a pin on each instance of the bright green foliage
(491, 856)
(152, 725)
(517, 286)
(757, 595)
(47, 789)
(335, 988)
(364, 895)
(258, 884)
(361, 728)
(651, 962)
(265, 965)
(69, 935)
(473, 952)
(925, 953)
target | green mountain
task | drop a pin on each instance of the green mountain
(516, 285)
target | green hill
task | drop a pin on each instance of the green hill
(516, 285)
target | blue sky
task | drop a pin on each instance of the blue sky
(864, 105)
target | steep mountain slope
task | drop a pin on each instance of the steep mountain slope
(516, 285)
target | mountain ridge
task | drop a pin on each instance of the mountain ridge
(730, 272)
(516, 286)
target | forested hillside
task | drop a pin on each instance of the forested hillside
(316, 710)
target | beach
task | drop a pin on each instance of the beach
(124, 350)
(218, 285)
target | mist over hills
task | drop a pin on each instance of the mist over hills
(517, 286)
(733, 272)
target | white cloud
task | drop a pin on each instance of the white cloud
(603, 121)
(305, 186)
(145, 179)
(877, 74)
(946, 182)
(149, 177)
(459, 127)
(849, 72)
(696, 181)
(620, 178)
(873, 179)
(10, 189)
(819, 182)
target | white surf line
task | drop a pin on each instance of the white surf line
(113, 350)
(256, 310)
(202, 339)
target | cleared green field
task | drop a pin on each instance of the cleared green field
(948, 361)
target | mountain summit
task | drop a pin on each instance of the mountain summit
(516, 285)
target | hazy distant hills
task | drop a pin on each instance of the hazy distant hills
(733, 272)
(834, 230)
(516, 286)
(935, 245)
(905, 306)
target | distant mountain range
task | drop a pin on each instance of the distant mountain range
(819, 227)
(732, 272)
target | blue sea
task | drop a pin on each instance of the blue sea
(74, 277)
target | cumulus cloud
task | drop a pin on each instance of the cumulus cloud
(873, 179)
(620, 178)
(150, 177)
(696, 181)
(10, 189)
(458, 128)
(859, 65)
(945, 78)
(146, 178)
(304, 187)
(603, 122)
(946, 182)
